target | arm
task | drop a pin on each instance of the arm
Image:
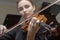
(30, 36)
(10, 35)
(32, 29)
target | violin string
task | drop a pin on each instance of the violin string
(33, 15)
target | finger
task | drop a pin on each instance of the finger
(33, 19)
(4, 29)
(30, 26)
(1, 30)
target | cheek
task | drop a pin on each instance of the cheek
(30, 9)
(21, 12)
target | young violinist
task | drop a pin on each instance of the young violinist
(26, 8)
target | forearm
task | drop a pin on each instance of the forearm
(30, 36)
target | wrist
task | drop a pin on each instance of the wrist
(30, 36)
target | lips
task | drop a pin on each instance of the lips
(27, 15)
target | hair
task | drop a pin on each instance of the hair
(27, 0)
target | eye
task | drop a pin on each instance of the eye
(20, 9)
(27, 6)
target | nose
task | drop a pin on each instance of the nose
(24, 10)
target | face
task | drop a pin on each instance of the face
(25, 8)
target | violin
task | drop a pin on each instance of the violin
(38, 16)
(42, 23)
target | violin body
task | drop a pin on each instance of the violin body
(39, 17)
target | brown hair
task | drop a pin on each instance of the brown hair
(27, 0)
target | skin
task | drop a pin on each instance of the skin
(2, 29)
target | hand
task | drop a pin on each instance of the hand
(2, 29)
(54, 31)
(35, 21)
(33, 25)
